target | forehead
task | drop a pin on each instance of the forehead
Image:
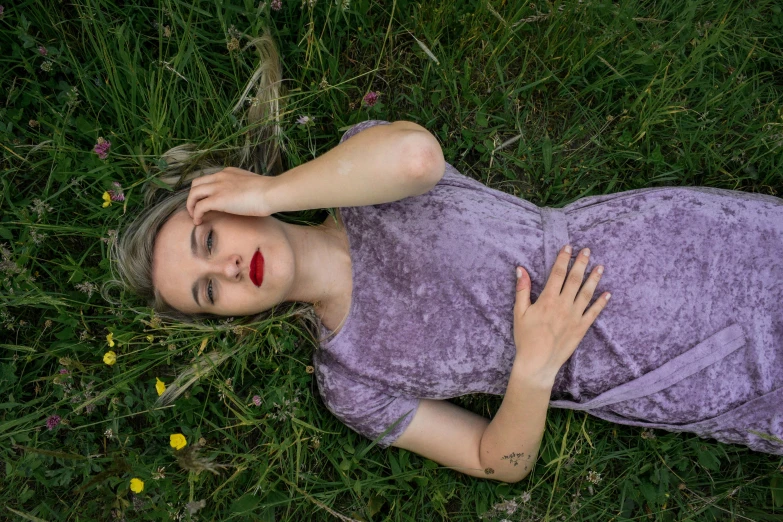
(173, 263)
(175, 230)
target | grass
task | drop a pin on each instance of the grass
(548, 101)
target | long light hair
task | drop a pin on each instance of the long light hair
(132, 253)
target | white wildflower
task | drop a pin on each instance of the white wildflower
(40, 208)
(37, 237)
(593, 477)
(86, 288)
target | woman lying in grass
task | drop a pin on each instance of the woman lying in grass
(423, 283)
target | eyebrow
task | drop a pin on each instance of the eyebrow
(194, 251)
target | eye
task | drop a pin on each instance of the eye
(209, 242)
(210, 294)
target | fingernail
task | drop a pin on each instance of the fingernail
(519, 272)
(568, 249)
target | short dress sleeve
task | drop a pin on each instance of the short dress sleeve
(365, 409)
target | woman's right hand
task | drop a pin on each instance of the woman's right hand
(232, 190)
(547, 333)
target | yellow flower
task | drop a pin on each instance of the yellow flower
(106, 199)
(110, 339)
(160, 386)
(110, 358)
(150, 338)
(137, 485)
(178, 441)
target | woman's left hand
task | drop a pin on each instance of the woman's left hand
(232, 190)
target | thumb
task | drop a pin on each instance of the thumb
(523, 290)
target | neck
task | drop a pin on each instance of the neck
(322, 275)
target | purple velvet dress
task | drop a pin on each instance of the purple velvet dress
(692, 339)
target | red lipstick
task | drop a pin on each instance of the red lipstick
(257, 268)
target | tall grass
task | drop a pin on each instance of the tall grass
(548, 101)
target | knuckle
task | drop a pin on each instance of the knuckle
(584, 296)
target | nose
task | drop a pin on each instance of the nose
(231, 266)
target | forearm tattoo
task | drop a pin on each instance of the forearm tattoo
(514, 458)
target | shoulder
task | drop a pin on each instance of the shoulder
(359, 127)
(366, 409)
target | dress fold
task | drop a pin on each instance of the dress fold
(681, 367)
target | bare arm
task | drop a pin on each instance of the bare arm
(378, 165)
(512, 439)
(504, 449)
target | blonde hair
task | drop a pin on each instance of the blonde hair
(132, 253)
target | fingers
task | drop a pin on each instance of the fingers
(210, 186)
(210, 178)
(522, 302)
(586, 294)
(592, 313)
(203, 206)
(559, 271)
(523, 279)
(573, 281)
(588, 290)
(197, 194)
(203, 187)
(576, 275)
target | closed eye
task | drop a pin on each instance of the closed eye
(208, 289)
(210, 294)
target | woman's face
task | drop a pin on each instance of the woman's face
(206, 268)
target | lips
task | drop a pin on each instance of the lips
(257, 268)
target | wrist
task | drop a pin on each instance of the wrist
(273, 193)
(537, 378)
